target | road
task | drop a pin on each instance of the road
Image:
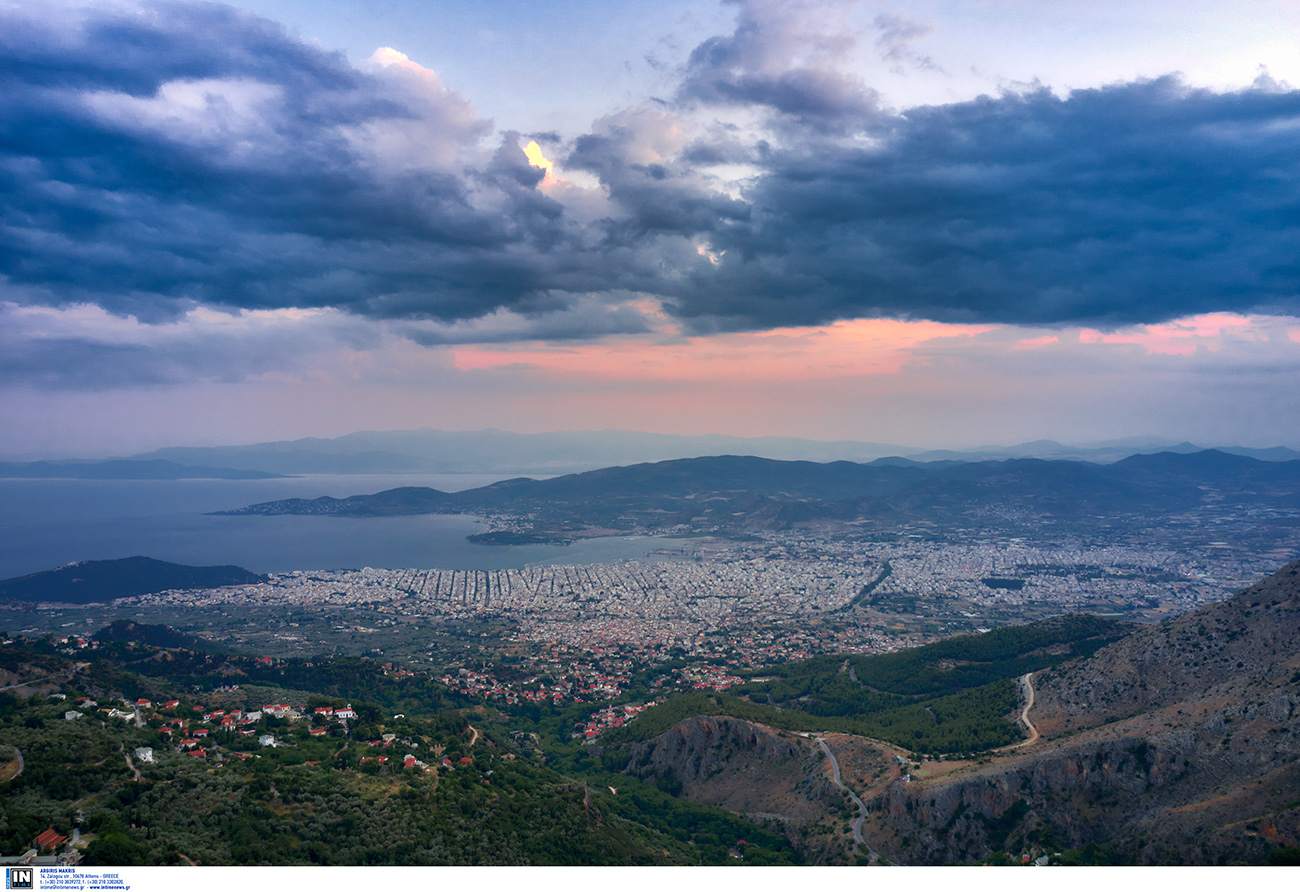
(862, 807)
(1027, 684)
(76, 667)
(23, 684)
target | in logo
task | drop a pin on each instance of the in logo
(19, 878)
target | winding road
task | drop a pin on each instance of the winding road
(862, 807)
(1026, 682)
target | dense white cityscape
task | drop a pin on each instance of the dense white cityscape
(687, 592)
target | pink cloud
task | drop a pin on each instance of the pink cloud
(1183, 336)
(844, 349)
(1036, 343)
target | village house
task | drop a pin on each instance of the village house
(49, 840)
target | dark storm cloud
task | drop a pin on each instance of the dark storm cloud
(187, 154)
(563, 318)
(656, 197)
(273, 174)
(1133, 203)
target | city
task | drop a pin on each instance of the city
(719, 606)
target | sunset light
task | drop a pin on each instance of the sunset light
(535, 157)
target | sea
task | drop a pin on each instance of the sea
(46, 524)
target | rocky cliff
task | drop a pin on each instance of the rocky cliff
(775, 777)
(1177, 744)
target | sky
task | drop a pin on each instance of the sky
(930, 223)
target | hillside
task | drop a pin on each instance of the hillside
(412, 777)
(91, 582)
(742, 493)
(157, 636)
(1177, 744)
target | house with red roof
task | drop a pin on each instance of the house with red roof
(49, 839)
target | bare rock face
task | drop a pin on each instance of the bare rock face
(701, 747)
(741, 766)
(1243, 644)
(1164, 799)
(1178, 744)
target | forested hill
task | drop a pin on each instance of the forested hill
(171, 763)
(951, 696)
(90, 582)
(736, 493)
(158, 636)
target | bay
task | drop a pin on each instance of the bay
(49, 523)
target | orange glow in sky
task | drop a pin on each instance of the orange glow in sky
(535, 157)
(844, 349)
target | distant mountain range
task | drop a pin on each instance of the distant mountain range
(497, 451)
(561, 452)
(744, 493)
(125, 469)
(93, 582)
(564, 452)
